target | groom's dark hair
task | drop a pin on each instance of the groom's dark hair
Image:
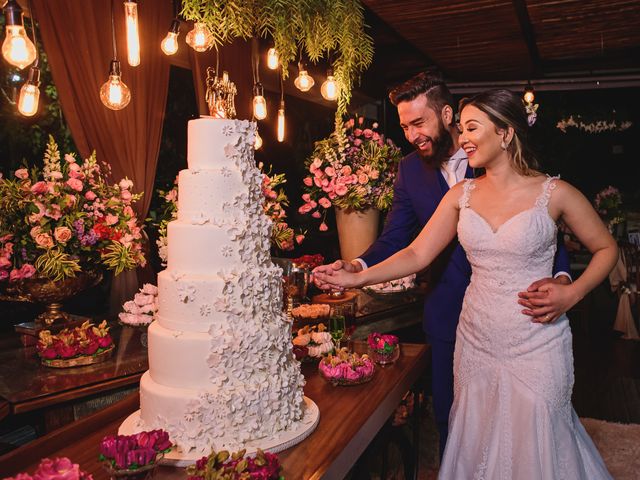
(429, 83)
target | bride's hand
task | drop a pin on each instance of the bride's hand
(548, 302)
(339, 279)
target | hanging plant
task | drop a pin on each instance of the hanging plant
(318, 28)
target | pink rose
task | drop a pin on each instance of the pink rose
(89, 195)
(324, 202)
(35, 231)
(74, 184)
(332, 195)
(357, 132)
(4, 262)
(306, 197)
(149, 289)
(125, 195)
(111, 219)
(27, 270)
(57, 469)
(76, 175)
(299, 239)
(316, 214)
(39, 188)
(62, 234)
(330, 171)
(346, 170)
(15, 275)
(323, 227)
(341, 190)
(308, 181)
(363, 179)
(374, 174)
(368, 133)
(74, 167)
(44, 240)
(357, 142)
(22, 173)
(141, 299)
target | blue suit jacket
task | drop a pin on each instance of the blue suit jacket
(417, 192)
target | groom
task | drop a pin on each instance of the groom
(425, 109)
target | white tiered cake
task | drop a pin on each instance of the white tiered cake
(221, 370)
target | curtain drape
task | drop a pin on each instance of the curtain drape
(76, 35)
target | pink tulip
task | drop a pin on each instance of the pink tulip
(304, 209)
(306, 197)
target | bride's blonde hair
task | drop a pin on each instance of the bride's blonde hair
(506, 109)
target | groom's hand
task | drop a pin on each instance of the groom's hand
(539, 304)
(350, 267)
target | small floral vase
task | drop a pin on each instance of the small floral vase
(383, 358)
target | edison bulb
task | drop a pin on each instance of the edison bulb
(272, 58)
(329, 88)
(304, 81)
(169, 44)
(200, 38)
(259, 107)
(133, 34)
(17, 49)
(29, 98)
(281, 123)
(114, 93)
(258, 141)
(529, 96)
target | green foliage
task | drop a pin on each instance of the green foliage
(118, 257)
(56, 265)
(319, 28)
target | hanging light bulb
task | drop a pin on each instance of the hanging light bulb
(259, 103)
(529, 95)
(258, 141)
(169, 44)
(114, 93)
(281, 122)
(329, 88)
(30, 94)
(303, 81)
(272, 58)
(133, 34)
(200, 38)
(17, 48)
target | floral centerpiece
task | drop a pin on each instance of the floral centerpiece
(66, 219)
(236, 466)
(346, 368)
(608, 203)
(140, 311)
(283, 237)
(383, 348)
(133, 453)
(308, 262)
(78, 346)
(56, 469)
(353, 169)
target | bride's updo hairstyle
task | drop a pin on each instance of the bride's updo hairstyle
(506, 109)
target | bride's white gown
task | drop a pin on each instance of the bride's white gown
(512, 416)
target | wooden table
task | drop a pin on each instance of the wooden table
(350, 417)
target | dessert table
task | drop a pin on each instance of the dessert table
(350, 417)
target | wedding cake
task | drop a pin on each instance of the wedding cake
(221, 370)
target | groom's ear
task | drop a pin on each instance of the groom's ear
(447, 115)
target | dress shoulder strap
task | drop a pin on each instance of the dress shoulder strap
(469, 185)
(547, 187)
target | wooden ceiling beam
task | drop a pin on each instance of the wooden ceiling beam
(529, 36)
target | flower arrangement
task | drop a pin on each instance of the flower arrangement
(66, 219)
(383, 348)
(235, 466)
(345, 368)
(134, 452)
(308, 262)
(56, 469)
(312, 342)
(597, 126)
(140, 310)
(608, 203)
(283, 237)
(352, 169)
(84, 340)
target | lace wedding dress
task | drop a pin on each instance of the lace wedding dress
(512, 416)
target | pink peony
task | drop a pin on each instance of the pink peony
(22, 173)
(308, 181)
(62, 234)
(74, 184)
(89, 195)
(325, 202)
(323, 227)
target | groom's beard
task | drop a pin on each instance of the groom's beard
(441, 146)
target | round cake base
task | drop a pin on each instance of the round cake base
(276, 444)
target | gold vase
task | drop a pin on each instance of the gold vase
(51, 293)
(357, 230)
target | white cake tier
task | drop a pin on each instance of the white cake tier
(207, 248)
(210, 141)
(224, 417)
(187, 359)
(200, 192)
(193, 303)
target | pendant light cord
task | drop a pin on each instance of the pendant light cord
(113, 32)
(33, 33)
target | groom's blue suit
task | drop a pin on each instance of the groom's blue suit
(418, 190)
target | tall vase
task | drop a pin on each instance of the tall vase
(356, 231)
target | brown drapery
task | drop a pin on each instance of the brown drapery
(76, 35)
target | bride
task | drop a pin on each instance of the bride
(512, 416)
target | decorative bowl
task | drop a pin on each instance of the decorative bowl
(383, 358)
(79, 361)
(346, 369)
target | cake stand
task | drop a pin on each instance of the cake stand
(282, 441)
